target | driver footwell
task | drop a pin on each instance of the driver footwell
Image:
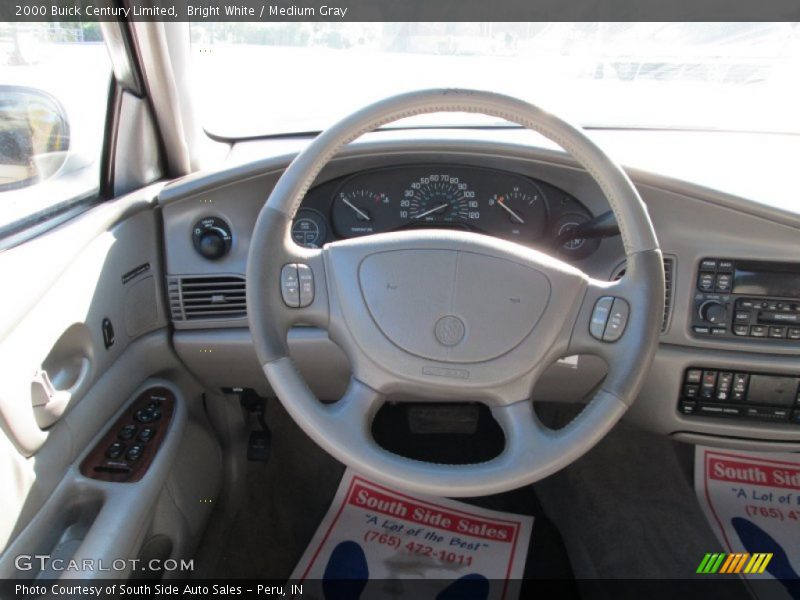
(286, 499)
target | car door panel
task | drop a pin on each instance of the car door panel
(103, 266)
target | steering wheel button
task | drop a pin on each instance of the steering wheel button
(306, 280)
(290, 286)
(602, 309)
(617, 320)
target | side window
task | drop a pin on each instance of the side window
(54, 82)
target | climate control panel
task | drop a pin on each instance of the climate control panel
(740, 394)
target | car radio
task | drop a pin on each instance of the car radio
(740, 394)
(747, 299)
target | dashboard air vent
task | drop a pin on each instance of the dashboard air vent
(669, 275)
(196, 298)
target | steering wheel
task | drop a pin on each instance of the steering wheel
(452, 315)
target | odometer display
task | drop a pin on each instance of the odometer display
(439, 198)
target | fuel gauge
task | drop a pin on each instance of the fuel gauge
(519, 214)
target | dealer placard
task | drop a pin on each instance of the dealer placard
(383, 538)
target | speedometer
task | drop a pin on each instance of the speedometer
(439, 198)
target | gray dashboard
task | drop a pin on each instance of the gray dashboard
(692, 223)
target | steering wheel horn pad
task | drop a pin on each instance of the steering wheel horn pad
(451, 315)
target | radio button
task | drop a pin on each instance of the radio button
(708, 264)
(705, 282)
(725, 266)
(724, 283)
(794, 333)
(758, 331)
(713, 312)
(719, 330)
(701, 330)
(742, 316)
(777, 332)
(740, 329)
(745, 304)
(688, 407)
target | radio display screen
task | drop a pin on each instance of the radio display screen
(767, 279)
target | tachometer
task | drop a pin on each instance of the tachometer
(439, 198)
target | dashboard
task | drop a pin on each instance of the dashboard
(482, 200)
(726, 372)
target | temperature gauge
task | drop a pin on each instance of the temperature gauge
(360, 211)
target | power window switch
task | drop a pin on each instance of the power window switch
(135, 453)
(127, 432)
(115, 450)
(146, 434)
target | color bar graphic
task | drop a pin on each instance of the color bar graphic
(734, 563)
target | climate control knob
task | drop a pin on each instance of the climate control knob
(713, 312)
(211, 238)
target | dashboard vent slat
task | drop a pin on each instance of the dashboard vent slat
(669, 274)
(213, 297)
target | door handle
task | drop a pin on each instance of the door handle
(49, 402)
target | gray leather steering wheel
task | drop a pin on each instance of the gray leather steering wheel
(452, 315)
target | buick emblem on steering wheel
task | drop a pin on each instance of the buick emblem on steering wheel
(449, 330)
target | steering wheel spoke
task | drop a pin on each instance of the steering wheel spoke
(614, 324)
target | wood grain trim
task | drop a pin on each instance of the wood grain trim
(97, 465)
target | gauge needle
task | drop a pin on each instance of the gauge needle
(433, 210)
(359, 212)
(511, 212)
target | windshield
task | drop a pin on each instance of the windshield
(270, 78)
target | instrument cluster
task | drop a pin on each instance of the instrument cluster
(488, 201)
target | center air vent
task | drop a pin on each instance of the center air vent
(197, 298)
(669, 268)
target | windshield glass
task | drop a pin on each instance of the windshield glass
(271, 78)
